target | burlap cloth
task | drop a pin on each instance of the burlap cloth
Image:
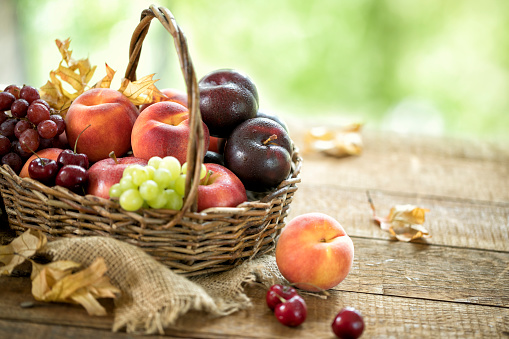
(153, 296)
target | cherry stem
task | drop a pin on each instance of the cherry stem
(113, 156)
(283, 300)
(207, 177)
(79, 135)
(37, 155)
(271, 138)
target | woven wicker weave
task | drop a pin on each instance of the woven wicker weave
(191, 243)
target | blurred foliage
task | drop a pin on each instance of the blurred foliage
(436, 66)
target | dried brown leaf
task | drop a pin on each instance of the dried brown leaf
(20, 249)
(404, 222)
(56, 282)
(338, 142)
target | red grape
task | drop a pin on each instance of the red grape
(13, 89)
(7, 127)
(59, 121)
(6, 100)
(20, 127)
(14, 161)
(29, 93)
(19, 108)
(41, 101)
(37, 113)
(3, 116)
(5, 145)
(29, 140)
(47, 129)
(16, 148)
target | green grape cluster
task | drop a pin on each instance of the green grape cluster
(160, 184)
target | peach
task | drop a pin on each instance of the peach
(162, 129)
(48, 153)
(314, 252)
(172, 94)
(111, 117)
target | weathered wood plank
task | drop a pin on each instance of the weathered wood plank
(451, 221)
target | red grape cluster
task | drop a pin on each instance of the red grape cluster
(27, 124)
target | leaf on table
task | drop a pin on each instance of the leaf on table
(404, 222)
(75, 73)
(20, 249)
(338, 142)
(142, 91)
(57, 282)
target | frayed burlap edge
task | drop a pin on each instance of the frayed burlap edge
(154, 297)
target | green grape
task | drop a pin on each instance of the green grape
(171, 164)
(203, 170)
(129, 169)
(126, 182)
(154, 162)
(149, 190)
(173, 200)
(131, 200)
(157, 202)
(171, 185)
(162, 177)
(139, 175)
(180, 185)
(150, 170)
(115, 190)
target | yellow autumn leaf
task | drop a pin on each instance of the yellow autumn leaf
(404, 222)
(20, 249)
(56, 282)
(105, 82)
(338, 142)
(142, 91)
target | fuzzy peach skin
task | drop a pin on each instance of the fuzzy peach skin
(314, 252)
(172, 94)
(162, 129)
(111, 117)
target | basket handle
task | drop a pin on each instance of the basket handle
(195, 149)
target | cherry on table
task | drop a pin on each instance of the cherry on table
(348, 324)
(276, 292)
(291, 312)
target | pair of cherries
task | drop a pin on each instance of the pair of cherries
(69, 170)
(291, 310)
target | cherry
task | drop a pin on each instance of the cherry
(348, 324)
(43, 169)
(276, 292)
(291, 312)
(70, 157)
(72, 177)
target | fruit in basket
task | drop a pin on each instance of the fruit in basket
(13, 160)
(6, 101)
(213, 157)
(274, 117)
(217, 144)
(172, 94)
(162, 129)
(291, 312)
(111, 116)
(220, 188)
(314, 252)
(259, 152)
(277, 293)
(348, 324)
(43, 169)
(107, 172)
(29, 93)
(48, 153)
(72, 177)
(227, 98)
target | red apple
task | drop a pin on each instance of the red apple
(104, 173)
(220, 188)
(111, 116)
(217, 144)
(314, 252)
(48, 153)
(162, 129)
(172, 94)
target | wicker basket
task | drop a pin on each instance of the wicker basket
(189, 242)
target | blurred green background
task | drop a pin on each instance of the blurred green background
(436, 67)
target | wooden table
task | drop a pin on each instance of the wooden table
(455, 284)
